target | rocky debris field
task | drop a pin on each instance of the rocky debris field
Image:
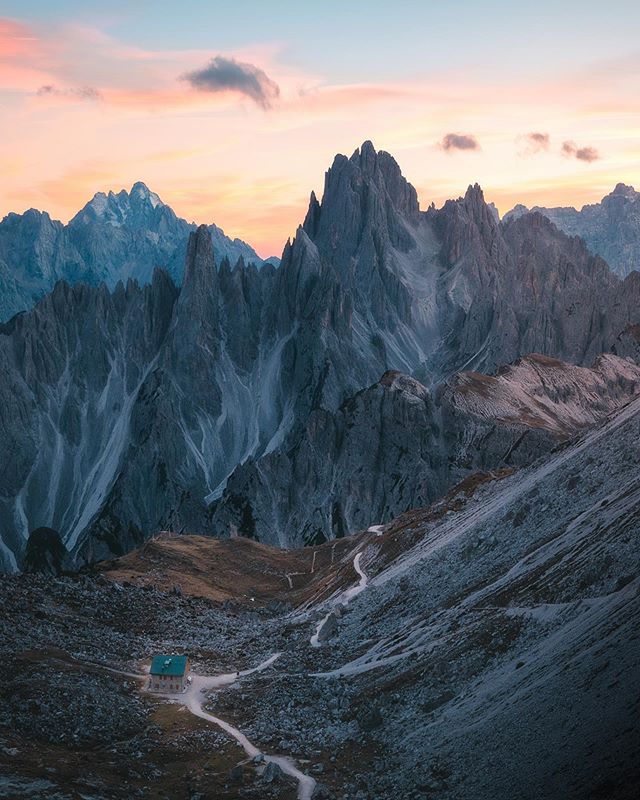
(69, 718)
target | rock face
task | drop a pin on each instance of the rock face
(525, 599)
(627, 344)
(73, 369)
(611, 228)
(542, 393)
(396, 446)
(113, 238)
(249, 400)
(521, 287)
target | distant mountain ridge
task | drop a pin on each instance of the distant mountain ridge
(611, 228)
(122, 235)
(116, 236)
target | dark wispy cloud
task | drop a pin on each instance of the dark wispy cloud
(533, 142)
(80, 93)
(228, 75)
(459, 141)
(571, 150)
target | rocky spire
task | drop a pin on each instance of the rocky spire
(312, 219)
(197, 315)
(363, 195)
(466, 225)
(200, 274)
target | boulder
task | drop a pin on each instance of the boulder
(46, 553)
(329, 629)
(272, 773)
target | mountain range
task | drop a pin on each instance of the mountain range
(610, 228)
(113, 238)
(296, 404)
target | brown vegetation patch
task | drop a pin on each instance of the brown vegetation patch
(474, 383)
(545, 361)
(238, 570)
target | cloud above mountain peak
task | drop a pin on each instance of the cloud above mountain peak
(571, 150)
(459, 141)
(223, 74)
(77, 93)
(532, 143)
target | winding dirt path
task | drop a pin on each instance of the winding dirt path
(195, 697)
(344, 598)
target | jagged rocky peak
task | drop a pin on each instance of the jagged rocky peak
(312, 219)
(622, 190)
(141, 194)
(200, 266)
(471, 208)
(134, 208)
(466, 225)
(481, 212)
(365, 195)
(197, 309)
(382, 167)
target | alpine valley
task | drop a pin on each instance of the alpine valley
(384, 491)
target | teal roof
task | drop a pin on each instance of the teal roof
(169, 665)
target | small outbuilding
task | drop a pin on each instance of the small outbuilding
(169, 674)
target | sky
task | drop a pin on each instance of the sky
(232, 112)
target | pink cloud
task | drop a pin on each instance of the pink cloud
(533, 143)
(16, 41)
(571, 150)
(24, 58)
(459, 141)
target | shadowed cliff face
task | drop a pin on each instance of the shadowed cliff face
(610, 228)
(396, 446)
(127, 412)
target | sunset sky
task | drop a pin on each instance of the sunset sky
(232, 112)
